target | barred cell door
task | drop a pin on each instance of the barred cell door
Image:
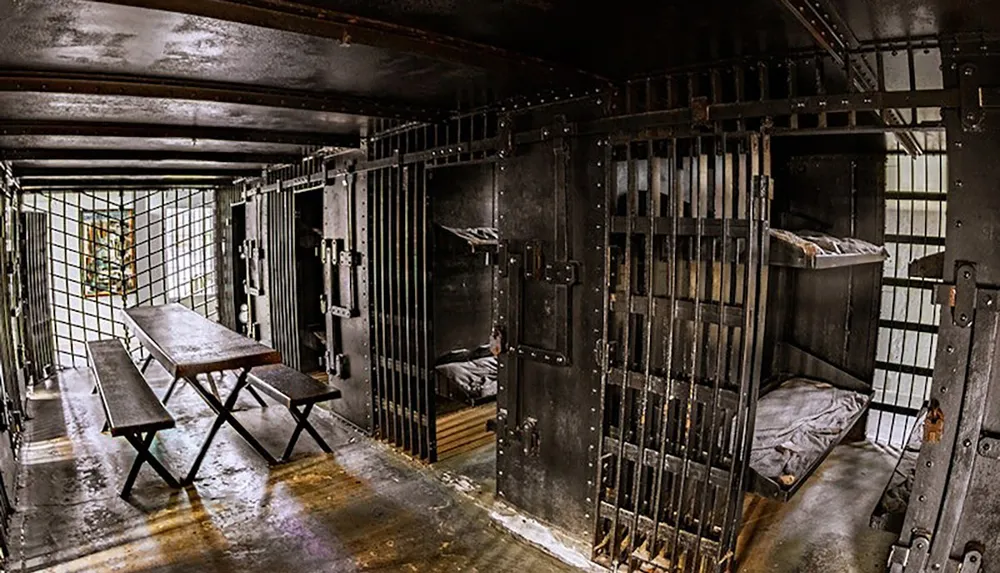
(401, 364)
(686, 247)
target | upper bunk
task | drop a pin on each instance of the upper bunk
(814, 250)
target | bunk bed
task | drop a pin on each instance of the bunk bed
(814, 250)
(468, 376)
(805, 410)
(808, 405)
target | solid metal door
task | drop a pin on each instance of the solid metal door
(345, 298)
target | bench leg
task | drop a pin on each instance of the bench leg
(303, 424)
(225, 415)
(141, 446)
(145, 364)
(256, 396)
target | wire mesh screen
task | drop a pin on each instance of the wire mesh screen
(915, 219)
(110, 250)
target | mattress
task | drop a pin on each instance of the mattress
(813, 243)
(797, 423)
(477, 378)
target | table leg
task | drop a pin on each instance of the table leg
(170, 390)
(224, 415)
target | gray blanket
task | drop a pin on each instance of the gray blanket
(796, 423)
(477, 377)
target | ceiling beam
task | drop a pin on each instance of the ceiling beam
(37, 185)
(27, 173)
(830, 31)
(186, 89)
(154, 131)
(313, 20)
(58, 154)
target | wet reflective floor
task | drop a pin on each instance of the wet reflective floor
(362, 508)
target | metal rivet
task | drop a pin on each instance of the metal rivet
(958, 224)
(951, 349)
(958, 183)
(922, 498)
(967, 442)
(966, 274)
(944, 389)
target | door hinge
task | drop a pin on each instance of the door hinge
(910, 558)
(964, 307)
(337, 365)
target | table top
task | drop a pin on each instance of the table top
(188, 344)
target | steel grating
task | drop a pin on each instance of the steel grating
(915, 226)
(675, 444)
(110, 250)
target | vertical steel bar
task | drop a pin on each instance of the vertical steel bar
(608, 170)
(650, 321)
(430, 395)
(404, 260)
(697, 212)
(626, 355)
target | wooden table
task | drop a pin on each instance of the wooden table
(188, 345)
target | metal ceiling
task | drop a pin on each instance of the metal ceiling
(120, 80)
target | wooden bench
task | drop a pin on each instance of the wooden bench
(294, 390)
(131, 408)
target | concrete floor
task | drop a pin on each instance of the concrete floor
(363, 508)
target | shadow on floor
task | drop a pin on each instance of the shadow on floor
(362, 508)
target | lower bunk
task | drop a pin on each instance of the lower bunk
(806, 410)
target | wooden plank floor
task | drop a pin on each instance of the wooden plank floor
(464, 430)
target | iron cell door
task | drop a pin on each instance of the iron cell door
(40, 355)
(400, 331)
(686, 248)
(345, 280)
(548, 312)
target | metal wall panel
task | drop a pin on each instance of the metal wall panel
(687, 241)
(345, 275)
(951, 521)
(39, 334)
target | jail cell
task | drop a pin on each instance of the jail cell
(110, 250)
(686, 246)
(400, 334)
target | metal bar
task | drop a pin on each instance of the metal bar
(155, 156)
(379, 320)
(156, 131)
(839, 103)
(631, 211)
(31, 173)
(425, 347)
(397, 188)
(603, 354)
(675, 206)
(404, 258)
(651, 213)
(188, 89)
(36, 185)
